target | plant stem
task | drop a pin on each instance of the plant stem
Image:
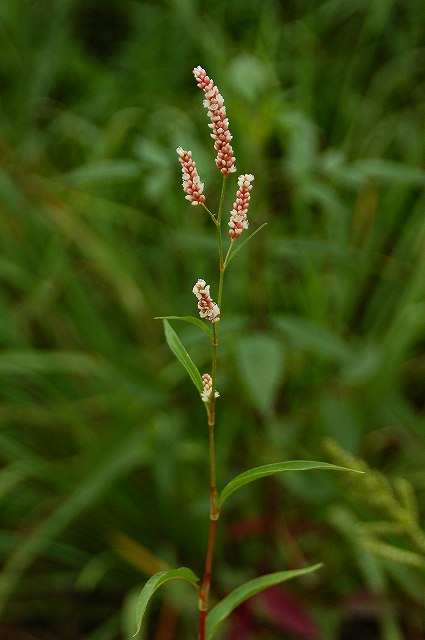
(214, 507)
(219, 238)
(212, 216)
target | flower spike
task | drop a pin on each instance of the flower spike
(208, 309)
(192, 184)
(238, 216)
(207, 382)
(219, 122)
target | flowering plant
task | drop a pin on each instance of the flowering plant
(210, 311)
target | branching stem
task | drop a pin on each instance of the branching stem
(214, 507)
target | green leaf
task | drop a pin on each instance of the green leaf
(389, 171)
(250, 77)
(33, 361)
(156, 581)
(313, 338)
(102, 172)
(241, 244)
(197, 321)
(261, 364)
(277, 467)
(247, 590)
(182, 355)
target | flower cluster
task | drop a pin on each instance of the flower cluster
(207, 382)
(219, 122)
(208, 309)
(192, 184)
(238, 216)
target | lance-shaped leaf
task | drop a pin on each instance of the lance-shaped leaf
(192, 320)
(225, 607)
(156, 581)
(182, 355)
(277, 467)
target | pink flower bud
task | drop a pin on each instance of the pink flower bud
(208, 309)
(214, 103)
(192, 184)
(238, 216)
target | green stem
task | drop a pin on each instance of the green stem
(223, 191)
(219, 237)
(212, 216)
(226, 259)
(214, 508)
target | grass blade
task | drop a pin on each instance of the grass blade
(117, 461)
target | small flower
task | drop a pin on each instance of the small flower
(208, 309)
(192, 184)
(207, 382)
(238, 218)
(219, 122)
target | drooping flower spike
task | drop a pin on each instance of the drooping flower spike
(208, 309)
(219, 122)
(238, 216)
(192, 184)
(206, 393)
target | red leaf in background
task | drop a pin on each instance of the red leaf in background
(285, 612)
(241, 624)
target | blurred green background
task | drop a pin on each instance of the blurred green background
(103, 440)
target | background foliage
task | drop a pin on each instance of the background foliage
(102, 440)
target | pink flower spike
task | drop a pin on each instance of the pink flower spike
(207, 382)
(238, 216)
(192, 184)
(214, 103)
(208, 309)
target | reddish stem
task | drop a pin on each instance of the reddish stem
(214, 514)
(214, 506)
(202, 621)
(205, 588)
